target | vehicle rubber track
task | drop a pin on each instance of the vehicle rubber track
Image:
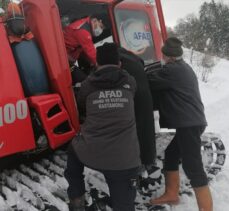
(40, 185)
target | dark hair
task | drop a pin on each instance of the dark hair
(103, 17)
(108, 54)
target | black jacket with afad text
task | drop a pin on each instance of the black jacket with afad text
(108, 138)
(179, 99)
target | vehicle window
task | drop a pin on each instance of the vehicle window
(135, 33)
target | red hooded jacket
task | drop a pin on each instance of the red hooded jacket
(78, 41)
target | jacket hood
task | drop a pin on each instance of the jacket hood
(108, 76)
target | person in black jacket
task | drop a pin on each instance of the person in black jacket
(180, 107)
(108, 140)
(143, 104)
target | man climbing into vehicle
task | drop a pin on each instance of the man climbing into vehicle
(108, 141)
(181, 108)
(78, 37)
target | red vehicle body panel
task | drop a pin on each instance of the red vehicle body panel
(51, 120)
(16, 133)
(44, 21)
(161, 20)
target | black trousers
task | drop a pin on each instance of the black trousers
(121, 183)
(78, 75)
(186, 148)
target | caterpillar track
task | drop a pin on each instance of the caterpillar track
(40, 185)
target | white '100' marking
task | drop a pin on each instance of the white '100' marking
(10, 112)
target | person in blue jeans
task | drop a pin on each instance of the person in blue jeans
(108, 140)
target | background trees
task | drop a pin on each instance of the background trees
(208, 32)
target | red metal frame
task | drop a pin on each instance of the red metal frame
(113, 22)
(161, 19)
(16, 133)
(44, 21)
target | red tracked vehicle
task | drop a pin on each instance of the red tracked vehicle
(37, 104)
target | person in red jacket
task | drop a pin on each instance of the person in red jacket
(78, 38)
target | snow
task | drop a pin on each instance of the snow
(208, 41)
(215, 96)
(1, 10)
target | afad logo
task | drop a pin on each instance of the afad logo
(142, 36)
(135, 35)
